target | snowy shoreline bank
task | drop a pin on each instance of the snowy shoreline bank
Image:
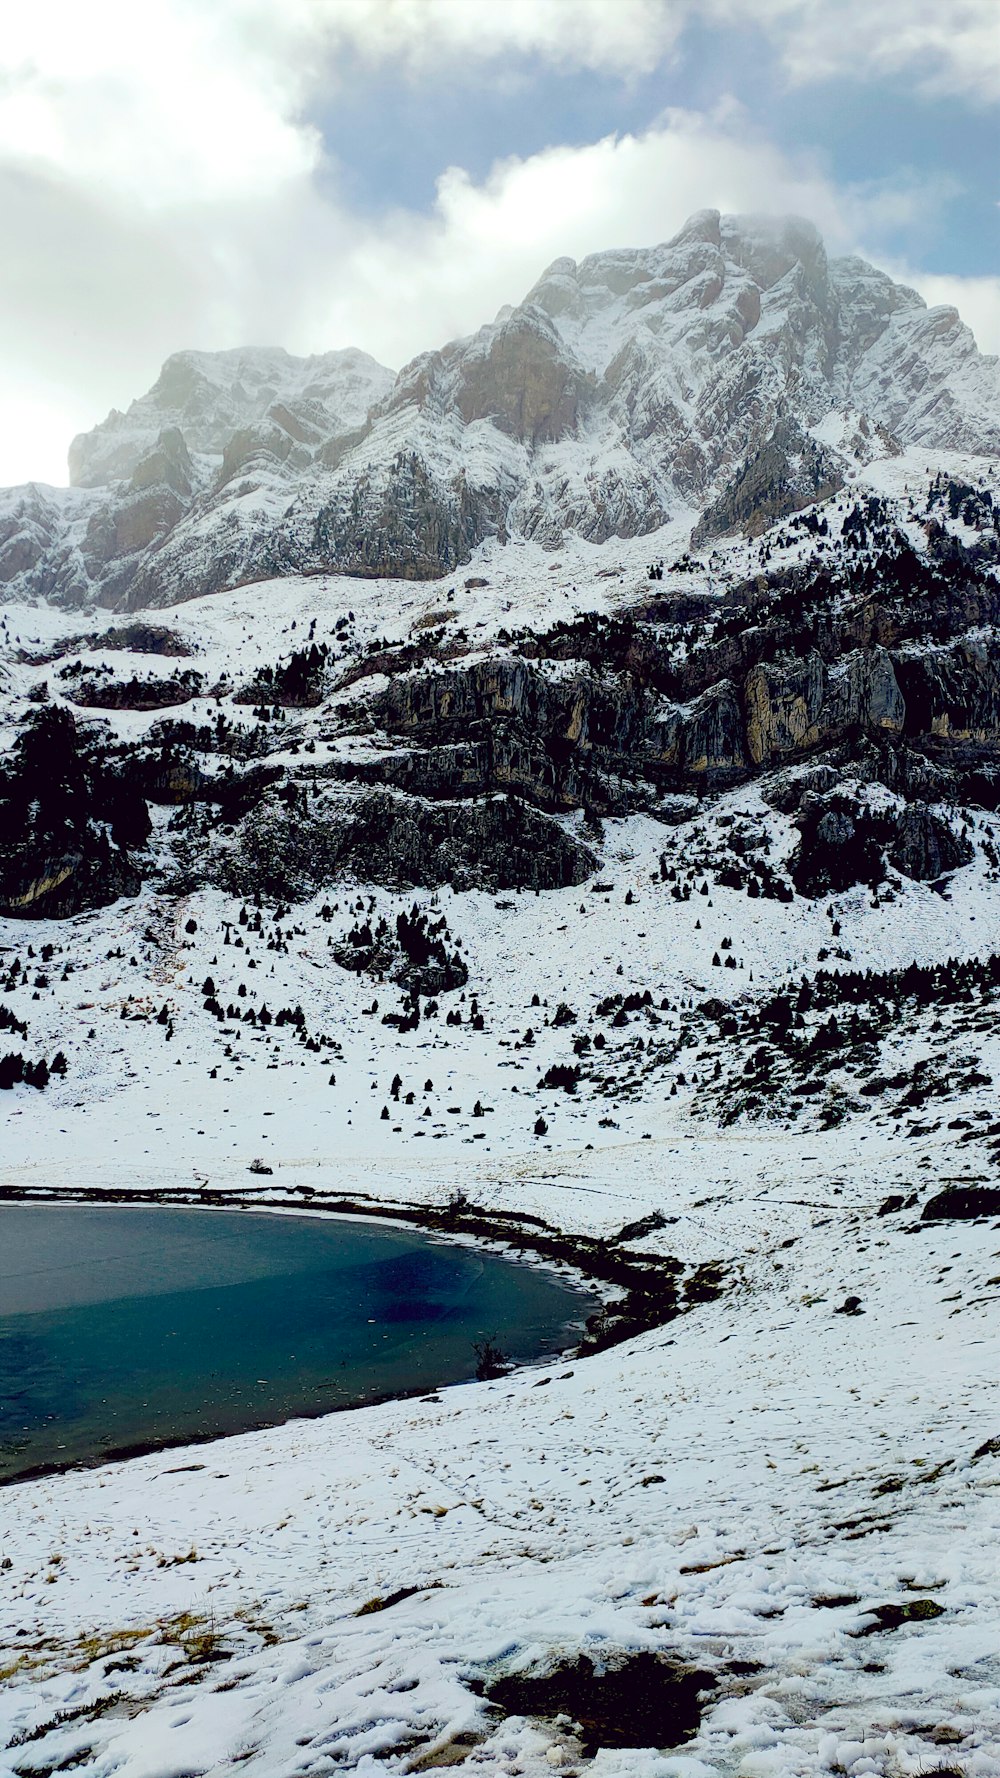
(747, 1485)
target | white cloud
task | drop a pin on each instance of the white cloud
(623, 37)
(176, 102)
(945, 46)
(488, 242)
(162, 103)
(36, 427)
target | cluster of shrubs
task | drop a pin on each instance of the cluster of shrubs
(861, 1006)
(975, 506)
(928, 984)
(758, 879)
(92, 688)
(623, 1003)
(15, 1071)
(414, 951)
(296, 683)
(61, 791)
(262, 1016)
(562, 1074)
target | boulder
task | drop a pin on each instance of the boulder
(960, 1203)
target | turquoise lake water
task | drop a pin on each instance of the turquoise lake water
(132, 1327)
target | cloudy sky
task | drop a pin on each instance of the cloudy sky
(387, 173)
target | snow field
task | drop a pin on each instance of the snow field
(716, 1489)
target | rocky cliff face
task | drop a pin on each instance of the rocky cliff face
(608, 742)
(703, 376)
(861, 688)
(68, 816)
(483, 843)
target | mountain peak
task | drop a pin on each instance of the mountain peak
(628, 388)
(702, 225)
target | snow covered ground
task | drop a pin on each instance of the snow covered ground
(741, 1486)
(741, 1489)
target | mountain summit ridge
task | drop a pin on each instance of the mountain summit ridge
(626, 389)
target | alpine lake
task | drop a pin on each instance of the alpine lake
(129, 1328)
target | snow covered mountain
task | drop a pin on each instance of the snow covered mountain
(552, 795)
(726, 377)
(268, 865)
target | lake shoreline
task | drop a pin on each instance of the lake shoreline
(635, 1287)
(635, 1291)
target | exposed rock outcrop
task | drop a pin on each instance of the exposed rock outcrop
(42, 887)
(795, 705)
(403, 521)
(492, 843)
(952, 692)
(67, 820)
(925, 846)
(846, 840)
(523, 380)
(788, 472)
(564, 741)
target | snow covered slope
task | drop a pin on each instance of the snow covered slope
(796, 1502)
